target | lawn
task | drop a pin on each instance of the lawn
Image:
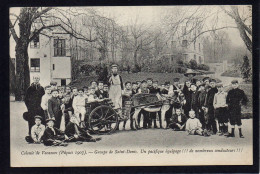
(162, 77)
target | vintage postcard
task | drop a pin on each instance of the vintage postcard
(131, 86)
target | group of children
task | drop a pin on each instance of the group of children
(202, 100)
(205, 102)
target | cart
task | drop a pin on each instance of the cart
(102, 118)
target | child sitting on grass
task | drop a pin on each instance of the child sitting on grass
(194, 127)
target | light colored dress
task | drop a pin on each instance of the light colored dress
(115, 91)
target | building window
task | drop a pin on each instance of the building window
(63, 82)
(35, 43)
(53, 66)
(184, 43)
(59, 47)
(35, 65)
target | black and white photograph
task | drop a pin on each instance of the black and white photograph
(131, 85)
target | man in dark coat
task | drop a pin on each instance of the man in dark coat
(235, 98)
(32, 101)
(187, 93)
(75, 133)
(210, 98)
(54, 108)
(202, 104)
(154, 90)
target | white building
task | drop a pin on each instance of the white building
(49, 57)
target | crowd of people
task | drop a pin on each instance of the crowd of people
(57, 114)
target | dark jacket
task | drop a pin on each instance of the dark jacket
(54, 108)
(49, 135)
(154, 90)
(194, 100)
(236, 97)
(101, 94)
(202, 99)
(210, 96)
(174, 119)
(33, 97)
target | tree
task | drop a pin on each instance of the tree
(193, 64)
(244, 23)
(28, 30)
(246, 69)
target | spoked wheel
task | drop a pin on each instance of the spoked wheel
(103, 120)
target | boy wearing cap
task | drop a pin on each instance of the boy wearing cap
(53, 85)
(54, 108)
(206, 81)
(220, 107)
(210, 99)
(235, 98)
(79, 107)
(52, 136)
(37, 130)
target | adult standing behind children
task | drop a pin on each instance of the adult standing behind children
(54, 108)
(116, 87)
(235, 98)
(33, 98)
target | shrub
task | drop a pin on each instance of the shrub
(193, 64)
(203, 67)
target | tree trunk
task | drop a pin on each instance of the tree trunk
(22, 68)
(11, 76)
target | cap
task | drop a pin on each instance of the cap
(105, 85)
(205, 78)
(149, 79)
(167, 83)
(53, 83)
(113, 65)
(54, 90)
(50, 119)
(176, 79)
(144, 81)
(234, 81)
(38, 116)
(202, 84)
(213, 80)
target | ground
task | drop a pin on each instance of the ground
(143, 138)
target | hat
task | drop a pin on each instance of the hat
(54, 90)
(50, 119)
(144, 81)
(167, 83)
(105, 85)
(234, 81)
(176, 79)
(53, 83)
(38, 116)
(205, 78)
(113, 65)
(213, 80)
(26, 116)
(202, 84)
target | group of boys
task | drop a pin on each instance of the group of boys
(203, 101)
(64, 114)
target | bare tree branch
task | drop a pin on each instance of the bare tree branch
(11, 28)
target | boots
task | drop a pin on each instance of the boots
(226, 130)
(154, 123)
(240, 133)
(232, 133)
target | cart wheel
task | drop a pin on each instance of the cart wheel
(103, 120)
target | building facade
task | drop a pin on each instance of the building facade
(49, 57)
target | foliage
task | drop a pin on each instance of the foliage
(203, 67)
(193, 64)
